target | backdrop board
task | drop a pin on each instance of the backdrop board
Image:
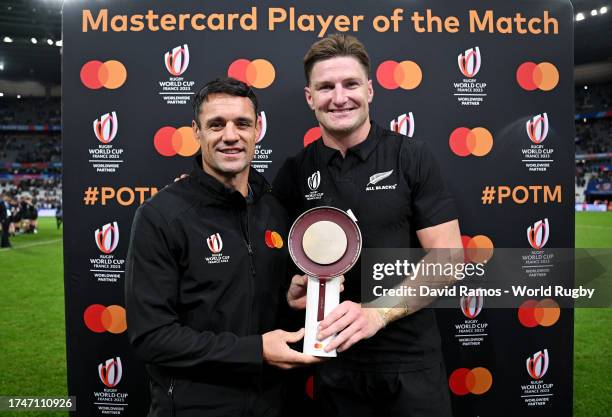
(488, 84)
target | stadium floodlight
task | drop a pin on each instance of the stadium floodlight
(59, 43)
(586, 87)
(34, 40)
(1, 94)
(594, 12)
(579, 17)
(7, 39)
(603, 10)
(50, 42)
(1, 66)
(18, 95)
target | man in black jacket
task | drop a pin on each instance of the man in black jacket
(205, 269)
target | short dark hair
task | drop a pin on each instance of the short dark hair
(229, 86)
(334, 46)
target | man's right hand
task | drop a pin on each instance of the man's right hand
(277, 352)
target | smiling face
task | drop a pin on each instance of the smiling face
(340, 92)
(227, 133)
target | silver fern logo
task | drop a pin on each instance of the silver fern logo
(378, 177)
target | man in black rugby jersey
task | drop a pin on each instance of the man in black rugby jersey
(394, 188)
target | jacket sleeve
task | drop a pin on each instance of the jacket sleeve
(151, 296)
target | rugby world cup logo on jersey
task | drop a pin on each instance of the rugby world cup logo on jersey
(403, 124)
(378, 177)
(105, 127)
(537, 157)
(215, 246)
(537, 364)
(107, 237)
(106, 157)
(177, 60)
(176, 89)
(262, 157)
(469, 62)
(538, 233)
(469, 91)
(110, 372)
(471, 306)
(313, 182)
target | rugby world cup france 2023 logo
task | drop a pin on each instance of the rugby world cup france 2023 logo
(107, 237)
(537, 364)
(537, 128)
(471, 306)
(177, 60)
(105, 127)
(538, 233)
(403, 124)
(469, 62)
(110, 372)
(215, 244)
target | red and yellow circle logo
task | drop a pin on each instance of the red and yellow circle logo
(110, 74)
(464, 141)
(169, 141)
(478, 249)
(273, 240)
(311, 135)
(532, 76)
(543, 313)
(99, 318)
(465, 381)
(405, 74)
(258, 73)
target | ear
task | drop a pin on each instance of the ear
(308, 95)
(370, 91)
(196, 131)
(258, 126)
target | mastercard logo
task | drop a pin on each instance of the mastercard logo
(405, 74)
(311, 135)
(169, 141)
(464, 141)
(110, 74)
(534, 313)
(273, 240)
(258, 73)
(100, 319)
(477, 249)
(464, 381)
(532, 76)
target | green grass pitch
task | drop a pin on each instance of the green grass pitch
(32, 338)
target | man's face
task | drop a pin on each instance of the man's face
(339, 93)
(227, 134)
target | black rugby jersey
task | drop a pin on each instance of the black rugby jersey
(393, 186)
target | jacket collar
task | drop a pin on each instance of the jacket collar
(257, 184)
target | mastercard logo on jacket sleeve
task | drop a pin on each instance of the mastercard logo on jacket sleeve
(273, 240)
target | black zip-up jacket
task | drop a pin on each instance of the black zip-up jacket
(205, 272)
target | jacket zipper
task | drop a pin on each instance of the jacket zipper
(171, 395)
(247, 241)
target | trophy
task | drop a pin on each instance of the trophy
(324, 242)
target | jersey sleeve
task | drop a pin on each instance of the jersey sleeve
(431, 201)
(151, 297)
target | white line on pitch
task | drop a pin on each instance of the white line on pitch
(29, 245)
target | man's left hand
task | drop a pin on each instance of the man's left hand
(352, 323)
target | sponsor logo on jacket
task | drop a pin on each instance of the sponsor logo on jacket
(215, 245)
